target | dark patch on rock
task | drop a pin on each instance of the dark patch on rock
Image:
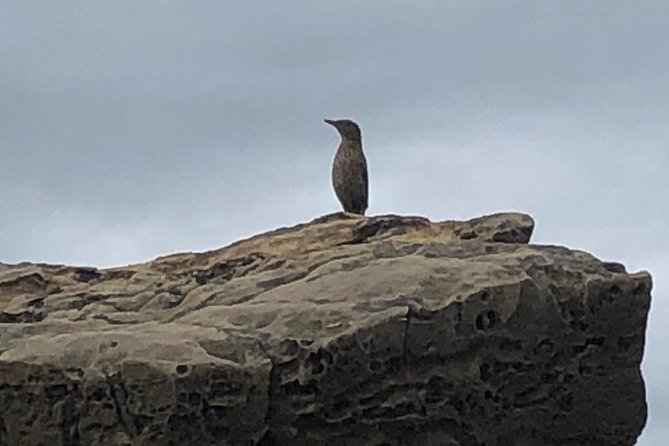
(22, 317)
(223, 271)
(278, 281)
(29, 283)
(520, 235)
(386, 225)
(87, 274)
(614, 267)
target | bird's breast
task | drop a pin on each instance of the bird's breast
(347, 156)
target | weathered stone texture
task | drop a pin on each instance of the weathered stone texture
(347, 330)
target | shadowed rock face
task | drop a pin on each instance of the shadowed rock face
(344, 331)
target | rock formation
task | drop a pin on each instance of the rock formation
(347, 330)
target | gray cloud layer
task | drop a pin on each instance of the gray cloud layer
(134, 129)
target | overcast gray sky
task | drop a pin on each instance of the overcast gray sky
(134, 129)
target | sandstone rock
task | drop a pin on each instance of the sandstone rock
(344, 331)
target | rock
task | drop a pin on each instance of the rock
(347, 330)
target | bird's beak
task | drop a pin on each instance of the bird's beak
(331, 122)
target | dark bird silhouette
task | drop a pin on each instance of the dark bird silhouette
(349, 169)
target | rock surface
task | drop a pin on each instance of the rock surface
(347, 330)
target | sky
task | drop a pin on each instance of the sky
(130, 130)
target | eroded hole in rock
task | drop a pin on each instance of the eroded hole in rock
(486, 320)
(480, 322)
(98, 394)
(289, 347)
(318, 361)
(574, 315)
(317, 368)
(182, 369)
(23, 317)
(494, 397)
(87, 274)
(222, 271)
(36, 303)
(614, 267)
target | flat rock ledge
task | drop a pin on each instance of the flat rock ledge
(348, 330)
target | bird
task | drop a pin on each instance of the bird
(349, 169)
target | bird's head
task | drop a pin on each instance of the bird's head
(346, 128)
